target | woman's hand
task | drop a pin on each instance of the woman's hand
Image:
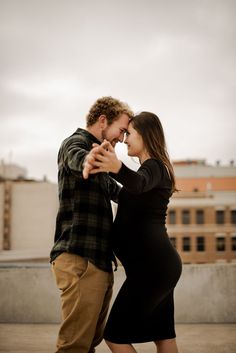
(101, 159)
(105, 159)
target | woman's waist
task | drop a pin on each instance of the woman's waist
(140, 220)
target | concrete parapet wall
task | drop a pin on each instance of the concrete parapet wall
(204, 294)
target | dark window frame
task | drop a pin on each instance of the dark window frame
(233, 243)
(220, 216)
(173, 241)
(233, 216)
(185, 216)
(200, 216)
(200, 244)
(186, 244)
(172, 216)
(220, 244)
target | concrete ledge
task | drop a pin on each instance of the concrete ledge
(191, 338)
(30, 255)
(204, 294)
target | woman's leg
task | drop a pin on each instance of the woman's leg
(167, 346)
(121, 348)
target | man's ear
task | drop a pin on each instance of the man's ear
(102, 121)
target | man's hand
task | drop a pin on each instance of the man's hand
(101, 158)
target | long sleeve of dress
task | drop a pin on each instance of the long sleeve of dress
(146, 178)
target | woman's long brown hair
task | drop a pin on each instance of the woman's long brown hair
(148, 125)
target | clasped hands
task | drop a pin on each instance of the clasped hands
(101, 158)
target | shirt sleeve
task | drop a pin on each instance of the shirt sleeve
(146, 178)
(114, 189)
(72, 154)
(76, 156)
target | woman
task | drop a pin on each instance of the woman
(143, 310)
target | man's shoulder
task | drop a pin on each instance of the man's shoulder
(79, 136)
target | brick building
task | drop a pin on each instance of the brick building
(201, 219)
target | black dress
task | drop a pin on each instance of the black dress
(143, 310)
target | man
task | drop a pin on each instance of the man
(82, 255)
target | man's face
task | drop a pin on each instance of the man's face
(115, 132)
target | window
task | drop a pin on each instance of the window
(220, 244)
(200, 217)
(185, 217)
(173, 241)
(233, 243)
(186, 244)
(200, 244)
(220, 217)
(172, 217)
(233, 216)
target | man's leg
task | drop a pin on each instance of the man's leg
(83, 289)
(103, 315)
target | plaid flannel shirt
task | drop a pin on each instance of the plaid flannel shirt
(84, 218)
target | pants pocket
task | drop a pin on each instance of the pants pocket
(68, 269)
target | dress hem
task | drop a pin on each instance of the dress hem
(145, 340)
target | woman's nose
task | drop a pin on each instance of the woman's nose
(121, 138)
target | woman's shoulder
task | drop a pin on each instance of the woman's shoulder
(153, 166)
(158, 166)
(157, 163)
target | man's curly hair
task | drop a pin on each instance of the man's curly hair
(112, 108)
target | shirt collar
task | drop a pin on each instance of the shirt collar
(89, 135)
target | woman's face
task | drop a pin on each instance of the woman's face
(134, 142)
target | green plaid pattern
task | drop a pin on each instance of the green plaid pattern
(84, 218)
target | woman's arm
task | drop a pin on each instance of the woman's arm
(146, 178)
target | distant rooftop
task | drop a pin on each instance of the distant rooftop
(198, 168)
(12, 171)
(210, 183)
(184, 162)
(188, 161)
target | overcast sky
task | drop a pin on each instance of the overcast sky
(174, 58)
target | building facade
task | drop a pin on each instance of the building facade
(27, 211)
(201, 218)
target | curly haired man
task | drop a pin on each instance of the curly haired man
(82, 255)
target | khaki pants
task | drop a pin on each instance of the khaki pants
(85, 296)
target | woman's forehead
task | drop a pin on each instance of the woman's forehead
(130, 126)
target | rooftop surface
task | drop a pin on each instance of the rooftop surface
(191, 338)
